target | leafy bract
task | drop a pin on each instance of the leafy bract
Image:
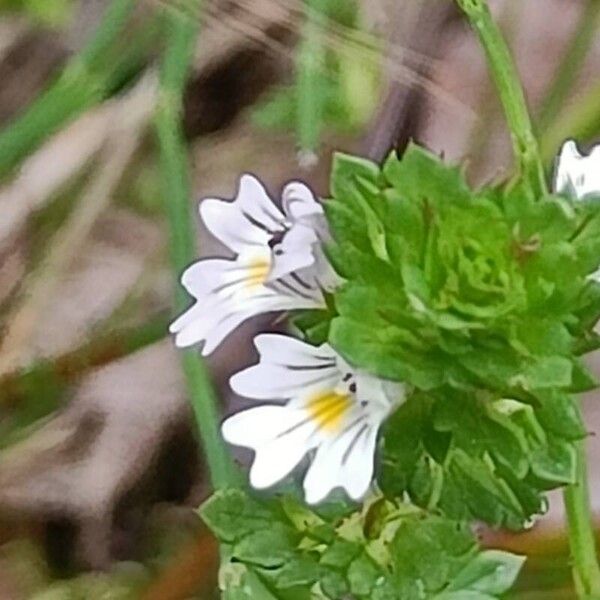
(384, 551)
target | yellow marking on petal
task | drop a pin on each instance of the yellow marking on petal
(328, 410)
(258, 270)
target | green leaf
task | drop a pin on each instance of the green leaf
(231, 515)
(268, 548)
(301, 571)
(491, 572)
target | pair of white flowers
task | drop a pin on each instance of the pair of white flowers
(322, 406)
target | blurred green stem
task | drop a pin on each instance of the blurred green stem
(308, 80)
(581, 121)
(507, 82)
(81, 84)
(181, 32)
(570, 65)
(586, 572)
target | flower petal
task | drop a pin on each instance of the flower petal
(294, 252)
(288, 368)
(229, 225)
(577, 175)
(346, 461)
(254, 201)
(298, 201)
(199, 324)
(286, 350)
(384, 394)
(280, 436)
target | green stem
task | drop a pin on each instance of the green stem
(504, 74)
(570, 65)
(581, 121)
(586, 572)
(308, 79)
(181, 38)
(81, 84)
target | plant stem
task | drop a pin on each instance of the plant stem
(570, 65)
(576, 496)
(308, 80)
(504, 74)
(581, 121)
(586, 572)
(81, 84)
(181, 34)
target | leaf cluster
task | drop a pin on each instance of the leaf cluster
(446, 286)
(481, 301)
(278, 549)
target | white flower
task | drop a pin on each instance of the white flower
(279, 263)
(331, 408)
(577, 175)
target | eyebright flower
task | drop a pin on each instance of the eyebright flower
(577, 175)
(331, 409)
(279, 262)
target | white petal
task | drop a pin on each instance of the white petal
(321, 272)
(266, 381)
(212, 323)
(228, 292)
(346, 461)
(286, 350)
(247, 222)
(294, 252)
(253, 200)
(274, 463)
(288, 368)
(577, 175)
(299, 201)
(281, 438)
(229, 225)
(219, 275)
(255, 427)
(383, 394)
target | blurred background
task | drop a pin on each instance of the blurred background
(100, 470)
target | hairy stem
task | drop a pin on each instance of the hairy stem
(586, 572)
(181, 33)
(504, 74)
(570, 65)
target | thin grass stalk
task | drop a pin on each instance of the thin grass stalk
(81, 84)
(181, 34)
(309, 110)
(581, 121)
(570, 65)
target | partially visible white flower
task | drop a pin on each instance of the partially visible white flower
(577, 175)
(330, 408)
(279, 263)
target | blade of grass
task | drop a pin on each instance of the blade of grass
(581, 121)
(571, 63)
(309, 117)
(181, 35)
(82, 84)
